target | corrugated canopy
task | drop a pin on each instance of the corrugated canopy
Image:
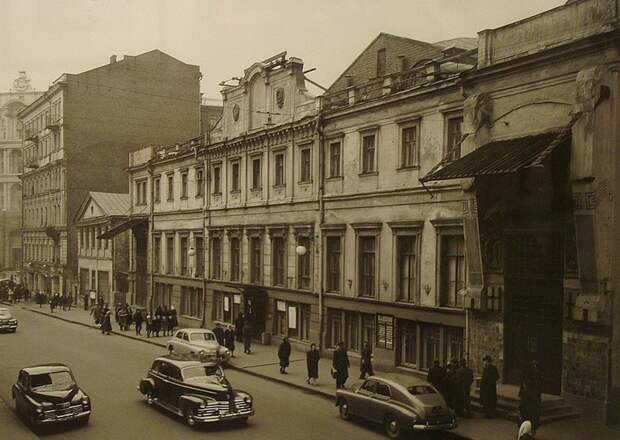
(501, 157)
(122, 227)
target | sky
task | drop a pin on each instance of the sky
(50, 37)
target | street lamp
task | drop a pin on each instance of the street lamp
(301, 250)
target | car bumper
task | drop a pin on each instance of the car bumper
(8, 327)
(434, 427)
(224, 417)
(63, 418)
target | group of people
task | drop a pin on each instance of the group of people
(226, 337)
(55, 301)
(13, 292)
(244, 331)
(454, 382)
(164, 319)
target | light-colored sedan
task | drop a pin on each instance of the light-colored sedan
(200, 342)
(7, 322)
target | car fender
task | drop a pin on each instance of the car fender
(404, 414)
(191, 401)
(147, 384)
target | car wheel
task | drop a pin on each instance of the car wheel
(189, 417)
(392, 427)
(343, 409)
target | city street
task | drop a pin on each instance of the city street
(109, 368)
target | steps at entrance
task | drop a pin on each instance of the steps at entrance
(552, 407)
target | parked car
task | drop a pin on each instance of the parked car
(195, 390)
(199, 341)
(7, 322)
(399, 408)
(47, 394)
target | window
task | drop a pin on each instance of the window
(170, 187)
(280, 318)
(141, 192)
(304, 321)
(334, 320)
(169, 254)
(431, 344)
(334, 159)
(367, 266)
(256, 173)
(157, 189)
(235, 176)
(333, 263)
(156, 254)
(191, 301)
(452, 268)
(305, 171)
(303, 264)
(406, 246)
(255, 260)
(279, 169)
(454, 137)
(368, 153)
(352, 331)
(200, 257)
(235, 258)
(216, 258)
(184, 256)
(184, 185)
(217, 182)
(200, 182)
(409, 343)
(453, 339)
(278, 261)
(409, 147)
(225, 306)
(368, 329)
(380, 63)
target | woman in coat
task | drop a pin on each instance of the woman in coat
(488, 387)
(239, 322)
(157, 321)
(247, 337)
(229, 340)
(173, 321)
(340, 365)
(106, 326)
(312, 362)
(366, 362)
(284, 353)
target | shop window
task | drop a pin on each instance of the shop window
(191, 302)
(304, 321)
(368, 329)
(453, 337)
(280, 318)
(335, 327)
(409, 337)
(352, 331)
(431, 345)
(292, 316)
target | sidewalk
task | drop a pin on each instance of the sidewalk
(263, 362)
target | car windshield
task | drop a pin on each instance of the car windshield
(421, 389)
(201, 337)
(56, 381)
(203, 371)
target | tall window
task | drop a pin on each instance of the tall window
(217, 180)
(334, 321)
(367, 266)
(157, 189)
(156, 254)
(306, 165)
(368, 153)
(304, 321)
(454, 137)
(169, 254)
(278, 260)
(256, 173)
(170, 186)
(333, 263)
(184, 256)
(184, 185)
(409, 147)
(191, 301)
(410, 343)
(279, 169)
(216, 258)
(452, 269)
(303, 264)
(200, 182)
(334, 159)
(380, 63)
(200, 256)
(407, 267)
(141, 192)
(255, 260)
(235, 258)
(234, 184)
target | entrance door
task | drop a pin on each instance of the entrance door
(534, 306)
(256, 310)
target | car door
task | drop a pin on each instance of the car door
(19, 390)
(163, 385)
(363, 399)
(381, 397)
(175, 385)
(177, 342)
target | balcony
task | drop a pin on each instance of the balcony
(52, 123)
(31, 164)
(31, 135)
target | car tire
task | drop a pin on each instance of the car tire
(188, 416)
(343, 410)
(392, 427)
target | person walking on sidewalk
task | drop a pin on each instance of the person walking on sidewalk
(465, 379)
(173, 322)
(488, 387)
(436, 375)
(164, 320)
(366, 362)
(530, 397)
(229, 340)
(239, 327)
(106, 326)
(247, 337)
(312, 362)
(341, 364)
(157, 322)
(149, 324)
(284, 353)
(137, 318)
(218, 331)
(122, 318)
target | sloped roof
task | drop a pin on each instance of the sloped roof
(466, 43)
(111, 203)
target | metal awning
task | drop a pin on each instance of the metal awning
(501, 157)
(122, 227)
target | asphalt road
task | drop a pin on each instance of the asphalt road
(110, 367)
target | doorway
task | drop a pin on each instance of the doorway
(255, 309)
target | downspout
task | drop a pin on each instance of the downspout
(319, 130)
(205, 223)
(149, 170)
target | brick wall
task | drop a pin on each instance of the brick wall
(585, 361)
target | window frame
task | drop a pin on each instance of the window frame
(184, 183)
(364, 231)
(364, 170)
(216, 177)
(399, 231)
(276, 236)
(305, 163)
(332, 174)
(200, 182)
(334, 231)
(235, 178)
(235, 266)
(451, 116)
(157, 189)
(215, 252)
(445, 228)
(170, 189)
(257, 181)
(412, 124)
(279, 173)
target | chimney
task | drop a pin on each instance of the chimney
(113, 59)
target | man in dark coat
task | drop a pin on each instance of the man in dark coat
(284, 353)
(366, 362)
(530, 395)
(219, 334)
(341, 365)
(229, 340)
(465, 379)
(449, 387)
(436, 375)
(106, 325)
(247, 337)
(173, 322)
(312, 362)
(137, 318)
(488, 387)
(239, 327)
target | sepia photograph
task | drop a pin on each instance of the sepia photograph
(288, 220)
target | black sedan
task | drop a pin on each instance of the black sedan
(47, 394)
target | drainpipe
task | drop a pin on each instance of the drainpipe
(205, 223)
(319, 130)
(149, 170)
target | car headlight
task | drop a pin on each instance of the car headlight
(247, 399)
(38, 410)
(85, 401)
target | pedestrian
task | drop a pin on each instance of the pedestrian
(488, 387)
(239, 327)
(525, 431)
(129, 316)
(137, 318)
(69, 302)
(229, 340)
(340, 365)
(149, 324)
(106, 326)
(122, 317)
(219, 334)
(366, 361)
(164, 320)
(436, 375)
(465, 379)
(312, 362)
(157, 321)
(173, 321)
(450, 387)
(530, 396)
(284, 353)
(247, 336)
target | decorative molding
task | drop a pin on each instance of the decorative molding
(408, 224)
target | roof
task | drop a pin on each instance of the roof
(466, 43)
(501, 157)
(46, 368)
(183, 361)
(111, 203)
(122, 227)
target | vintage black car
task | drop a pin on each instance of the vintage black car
(399, 408)
(46, 394)
(196, 390)
(7, 322)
